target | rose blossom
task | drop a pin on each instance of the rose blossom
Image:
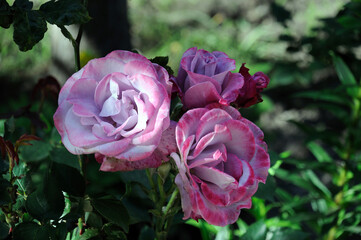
(205, 78)
(222, 159)
(118, 108)
(250, 93)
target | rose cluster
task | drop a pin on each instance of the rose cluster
(117, 107)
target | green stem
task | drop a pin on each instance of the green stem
(171, 201)
(74, 42)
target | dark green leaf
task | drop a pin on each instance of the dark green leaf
(88, 234)
(160, 60)
(23, 181)
(35, 152)
(6, 17)
(287, 234)
(92, 219)
(266, 191)
(29, 29)
(26, 231)
(10, 124)
(61, 231)
(69, 179)
(4, 165)
(136, 212)
(33, 231)
(23, 4)
(318, 184)
(146, 233)
(4, 230)
(328, 96)
(294, 179)
(4, 193)
(256, 231)
(137, 176)
(113, 232)
(345, 75)
(176, 108)
(320, 154)
(46, 203)
(63, 156)
(65, 12)
(113, 210)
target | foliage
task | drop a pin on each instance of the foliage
(30, 25)
(46, 192)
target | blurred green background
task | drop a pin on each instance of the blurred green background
(310, 115)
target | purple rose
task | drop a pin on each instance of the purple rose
(205, 78)
(222, 159)
(118, 108)
(250, 93)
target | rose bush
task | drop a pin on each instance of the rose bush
(222, 159)
(205, 78)
(118, 108)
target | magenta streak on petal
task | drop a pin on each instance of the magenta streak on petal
(233, 166)
(210, 157)
(260, 164)
(242, 143)
(187, 125)
(221, 134)
(214, 176)
(209, 120)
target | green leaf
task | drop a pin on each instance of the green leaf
(113, 232)
(287, 234)
(63, 156)
(69, 179)
(23, 5)
(175, 108)
(266, 191)
(29, 29)
(4, 230)
(35, 152)
(137, 176)
(256, 231)
(344, 74)
(320, 154)
(61, 231)
(146, 233)
(6, 17)
(4, 194)
(88, 234)
(314, 179)
(294, 179)
(326, 95)
(137, 213)
(65, 12)
(26, 231)
(46, 203)
(162, 61)
(92, 219)
(112, 210)
(10, 124)
(33, 231)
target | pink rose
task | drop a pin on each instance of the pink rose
(250, 93)
(205, 78)
(222, 159)
(118, 108)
